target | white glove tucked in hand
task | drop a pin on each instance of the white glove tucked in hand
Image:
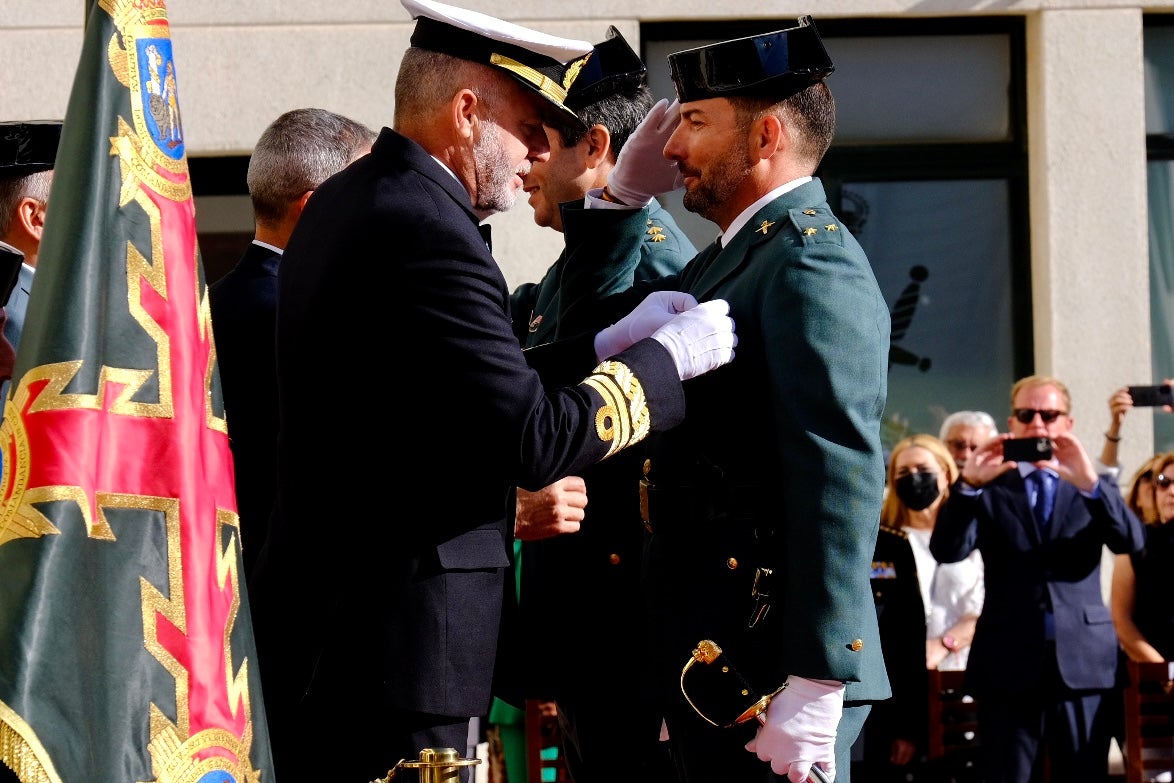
(799, 730)
(642, 171)
(701, 339)
(645, 318)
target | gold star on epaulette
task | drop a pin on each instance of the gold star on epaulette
(808, 231)
(831, 227)
(658, 237)
(762, 229)
(809, 212)
(655, 230)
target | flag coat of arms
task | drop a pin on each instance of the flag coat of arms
(126, 646)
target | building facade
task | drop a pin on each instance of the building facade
(1008, 166)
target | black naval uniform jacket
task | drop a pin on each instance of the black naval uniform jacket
(778, 466)
(408, 411)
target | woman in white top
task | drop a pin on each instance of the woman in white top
(921, 472)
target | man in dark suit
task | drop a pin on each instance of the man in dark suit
(293, 156)
(1043, 664)
(602, 552)
(408, 409)
(764, 504)
(28, 152)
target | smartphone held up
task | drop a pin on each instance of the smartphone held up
(1027, 449)
(1151, 396)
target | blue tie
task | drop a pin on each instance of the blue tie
(1044, 497)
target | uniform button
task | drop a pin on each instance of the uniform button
(731, 563)
(857, 645)
(613, 558)
(877, 594)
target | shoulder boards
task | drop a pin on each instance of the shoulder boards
(817, 224)
(654, 232)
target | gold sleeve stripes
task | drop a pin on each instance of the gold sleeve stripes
(623, 419)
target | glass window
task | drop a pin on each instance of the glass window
(1159, 79)
(942, 256)
(1159, 123)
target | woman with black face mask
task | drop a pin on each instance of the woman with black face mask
(944, 600)
(921, 472)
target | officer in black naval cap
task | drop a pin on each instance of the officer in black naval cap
(763, 506)
(379, 592)
(28, 150)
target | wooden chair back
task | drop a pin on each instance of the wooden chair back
(544, 753)
(953, 727)
(1149, 720)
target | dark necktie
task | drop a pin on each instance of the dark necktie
(1043, 483)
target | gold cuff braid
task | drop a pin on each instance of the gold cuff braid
(623, 419)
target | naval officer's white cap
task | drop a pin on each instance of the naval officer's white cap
(544, 63)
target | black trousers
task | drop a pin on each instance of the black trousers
(1070, 730)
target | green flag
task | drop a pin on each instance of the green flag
(126, 646)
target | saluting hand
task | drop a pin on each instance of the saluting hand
(642, 171)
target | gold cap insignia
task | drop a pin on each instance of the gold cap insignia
(573, 70)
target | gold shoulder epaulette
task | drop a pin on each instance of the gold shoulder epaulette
(896, 531)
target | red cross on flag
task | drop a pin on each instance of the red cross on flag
(126, 646)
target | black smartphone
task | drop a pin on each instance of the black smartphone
(10, 261)
(1151, 396)
(1027, 449)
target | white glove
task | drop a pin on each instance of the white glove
(701, 339)
(800, 728)
(642, 171)
(645, 318)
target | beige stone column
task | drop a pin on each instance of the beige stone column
(1089, 246)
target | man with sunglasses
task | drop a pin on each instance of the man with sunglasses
(1043, 664)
